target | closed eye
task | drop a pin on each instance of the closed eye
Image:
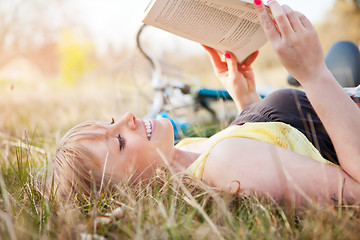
(121, 142)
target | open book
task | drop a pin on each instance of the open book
(225, 25)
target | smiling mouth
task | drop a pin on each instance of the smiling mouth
(148, 128)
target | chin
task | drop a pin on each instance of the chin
(163, 135)
(168, 126)
(165, 121)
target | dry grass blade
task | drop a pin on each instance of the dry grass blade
(189, 198)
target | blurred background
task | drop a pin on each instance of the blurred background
(66, 61)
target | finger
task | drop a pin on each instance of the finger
(251, 58)
(206, 47)
(280, 18)
(215, 58)
(266, 21)
(232, 63)
(304, 21)
(293, 18)
(210, 50)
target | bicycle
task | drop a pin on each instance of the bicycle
(173, 95)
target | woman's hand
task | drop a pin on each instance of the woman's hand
(294, 40)
(297, 45)
(237, 78)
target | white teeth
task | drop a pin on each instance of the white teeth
(148, 128)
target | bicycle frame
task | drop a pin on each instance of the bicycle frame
(164, 93)
(161, 89)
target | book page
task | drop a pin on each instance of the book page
(216, 23)
(240, 8)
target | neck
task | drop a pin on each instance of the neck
(183, 159)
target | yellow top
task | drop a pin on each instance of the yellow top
(276, 133)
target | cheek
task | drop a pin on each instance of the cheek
(148, 159)
(140, 152)
(144, 154)
(138, 146)
(147, 155)
(141, 164)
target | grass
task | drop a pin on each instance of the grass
(167, 207)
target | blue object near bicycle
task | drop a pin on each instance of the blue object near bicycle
(223, 94)
(213, 93)
(179, 127)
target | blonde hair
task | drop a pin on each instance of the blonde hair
(77, 171)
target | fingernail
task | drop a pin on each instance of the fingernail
(257, 2)
(268, 1)
(227, 55)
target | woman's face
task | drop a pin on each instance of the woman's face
(130, 147)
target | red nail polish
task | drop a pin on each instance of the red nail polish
(257, 2)
(227, 55)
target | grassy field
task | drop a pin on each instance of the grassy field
(32, 119)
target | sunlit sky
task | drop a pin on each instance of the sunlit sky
(116, 21)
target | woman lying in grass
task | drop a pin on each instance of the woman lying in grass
(271, 149)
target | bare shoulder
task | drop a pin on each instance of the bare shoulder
(234, 151)
(244, 160)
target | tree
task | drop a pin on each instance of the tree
(28, 23)
(30, 29)
(76, 57)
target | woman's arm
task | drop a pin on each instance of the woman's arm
(242, 165)
(297, 45)
(237, 78)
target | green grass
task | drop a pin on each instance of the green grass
(167, 207)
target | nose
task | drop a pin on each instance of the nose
(127, 119)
